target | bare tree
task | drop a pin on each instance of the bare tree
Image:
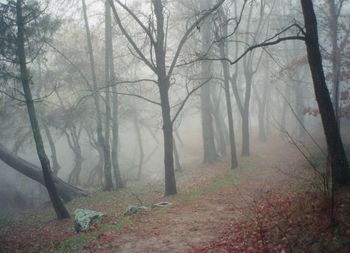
(100, 138)
(157, 33)
(337, 157)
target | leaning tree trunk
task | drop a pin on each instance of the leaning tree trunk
(337, 157)
(66, 191)
(57, 203)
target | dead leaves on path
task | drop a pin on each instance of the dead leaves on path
(294, 222)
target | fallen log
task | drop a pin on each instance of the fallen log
(66, 191)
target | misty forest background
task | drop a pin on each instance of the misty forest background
(105, 95)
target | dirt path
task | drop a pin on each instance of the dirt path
(187, 223)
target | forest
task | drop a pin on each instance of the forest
(185, 126)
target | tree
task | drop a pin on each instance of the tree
(336, 153)
(209, 150)
(110, 80)
(58, 205)
(226, 72)
(66, 191)
(99, 128)
(157, 62)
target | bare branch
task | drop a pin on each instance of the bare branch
(188, 32)
(130, 40)
(137, 96)
(144, 28)
(71, 63)
(186, 99)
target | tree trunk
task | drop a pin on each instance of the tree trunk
(226, 70)
(66, 191)
(78, 161)
(177, 157)
(108, 184)
(262, 104)
(115, 113)
(221, 134)
(58, 205)
(140, 144)
(55, 165)
(245, 116)
(170, 182)
(164, 85)
(337, 157)
(107, 146)
(336, 64)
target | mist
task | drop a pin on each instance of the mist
(110, 104)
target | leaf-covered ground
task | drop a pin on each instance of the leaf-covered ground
(268, 204)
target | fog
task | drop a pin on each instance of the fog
(117, 104)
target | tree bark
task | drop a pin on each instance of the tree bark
(164, 85)
(337, 157)
(58, 205)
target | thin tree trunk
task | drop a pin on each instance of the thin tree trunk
(209, 149)
(177, 157)
(337, 157)
(57, 203)
(73, 142)
(115, 106)
(107, 146)
(140, 144)
(226, 70)
(108, 184)
(219, 134)
(55, 165)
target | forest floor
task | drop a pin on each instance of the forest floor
(271, 203)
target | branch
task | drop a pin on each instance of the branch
(138, 96)
(299, 121)
(130, 40)
(71, 63)
(12, 97)
(146, 30)
(128, 82)
(186, 99)
(188, 32)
